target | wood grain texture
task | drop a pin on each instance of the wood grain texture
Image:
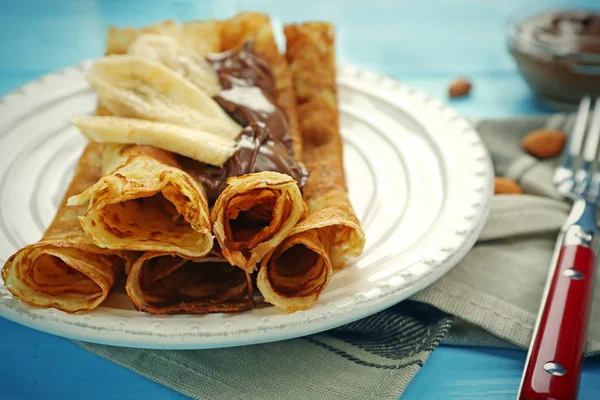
(382, 35)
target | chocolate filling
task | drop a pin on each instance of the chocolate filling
(265, 143)
(256, 151)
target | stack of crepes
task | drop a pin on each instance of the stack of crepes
(197, 134)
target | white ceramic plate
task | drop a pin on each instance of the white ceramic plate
(419, 178)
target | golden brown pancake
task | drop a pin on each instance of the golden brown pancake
(161, 283)
(330, 234)
(65, 269)
(257, 211)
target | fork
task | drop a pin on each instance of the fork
(555, 358)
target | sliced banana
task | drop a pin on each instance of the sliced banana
(169, 52)
(192, 143)
(132, 86)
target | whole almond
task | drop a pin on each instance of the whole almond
(544, 143)
(459, 88)
(506, 186)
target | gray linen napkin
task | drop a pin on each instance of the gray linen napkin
(374, 358)
(493, 293)
(498, 286)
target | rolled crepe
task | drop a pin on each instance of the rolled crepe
(330, 234)
(257, 211)
(65, 269)
(254, 214)
(298, 270)
(145, 202)
(161, 283)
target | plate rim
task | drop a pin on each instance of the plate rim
(49, 320)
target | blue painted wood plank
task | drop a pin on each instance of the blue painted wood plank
(390, 36)
(481, 373)
(35, 365)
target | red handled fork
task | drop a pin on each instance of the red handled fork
(555, 358)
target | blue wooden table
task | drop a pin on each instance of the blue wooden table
(424, 43)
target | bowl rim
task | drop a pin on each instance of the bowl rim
(516, 40)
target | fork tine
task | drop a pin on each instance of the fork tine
(565, 177)
(578, 132)
(591, 146)
(583, 176)
(594, 187)
(593, 137)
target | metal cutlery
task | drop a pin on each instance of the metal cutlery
(555, 358)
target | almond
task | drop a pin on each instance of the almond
(459, 88)
(506, 186)
(544, 143)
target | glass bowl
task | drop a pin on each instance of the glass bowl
(556, 47)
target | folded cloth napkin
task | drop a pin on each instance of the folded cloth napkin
(490, 299)
(498, 286)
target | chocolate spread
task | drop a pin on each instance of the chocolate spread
(265, 143)
(558, 54)
(564, 32)
(249, 91)
(246, 104)
(256, 151)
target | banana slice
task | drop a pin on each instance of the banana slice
(192, 143)
(169, 52)
(132, 86)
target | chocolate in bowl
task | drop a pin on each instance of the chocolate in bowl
(558, 53)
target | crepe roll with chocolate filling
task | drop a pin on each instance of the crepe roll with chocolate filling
(330, 234)
(161, 283)
(257, 192)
